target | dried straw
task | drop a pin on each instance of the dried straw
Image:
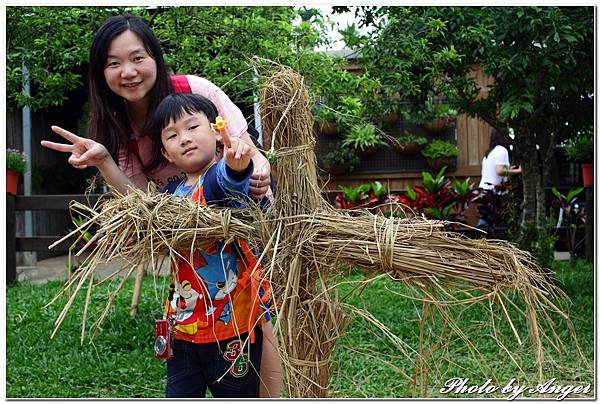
(304, 242)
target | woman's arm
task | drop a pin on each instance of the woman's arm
(117, 180)
(504, 171)
(89, 153)
(261, 176)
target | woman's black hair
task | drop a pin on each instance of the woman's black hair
(109, 123)
(172, 108)
(498, 137)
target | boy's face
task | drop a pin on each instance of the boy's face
(190, 143)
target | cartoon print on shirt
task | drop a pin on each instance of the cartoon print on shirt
(185, 301)
(217, 271)
(219, 283)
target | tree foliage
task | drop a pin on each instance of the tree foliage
(218, 43)
(54, 43)
(540, 57)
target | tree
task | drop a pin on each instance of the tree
(53, 43)
(541, 58)
(220, 42)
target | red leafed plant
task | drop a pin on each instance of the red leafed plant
(365, 196)
(438, 198)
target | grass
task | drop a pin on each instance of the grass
(370, 366)
(120, 363)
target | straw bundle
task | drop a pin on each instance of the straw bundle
(304, 240)
(310, 320)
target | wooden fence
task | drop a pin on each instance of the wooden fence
(16, 203)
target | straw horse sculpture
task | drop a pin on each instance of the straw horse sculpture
(304, 240)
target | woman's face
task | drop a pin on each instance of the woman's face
(129, 70)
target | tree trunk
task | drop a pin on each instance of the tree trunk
(589, 224)
(531, 179)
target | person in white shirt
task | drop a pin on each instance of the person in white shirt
(495, 166)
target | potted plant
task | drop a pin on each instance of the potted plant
(437, 198)
(364, 138)
(581, 149)
(326, 119)
(385, 110)
(16, 164)
(437, 117)
(408, 143)
(350, 111)
(352, 197)
(339, 159)
(440, 153)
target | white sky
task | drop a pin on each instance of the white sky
(341, 21)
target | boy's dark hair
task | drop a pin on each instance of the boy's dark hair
(172, 108)
(109, 123)
(498, 137)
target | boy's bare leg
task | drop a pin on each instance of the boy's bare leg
(270, 367)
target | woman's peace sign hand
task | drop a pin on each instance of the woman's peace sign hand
(84, 152)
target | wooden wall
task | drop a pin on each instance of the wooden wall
(473, 135)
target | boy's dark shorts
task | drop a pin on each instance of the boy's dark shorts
(196, 367)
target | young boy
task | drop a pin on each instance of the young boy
(216, 304)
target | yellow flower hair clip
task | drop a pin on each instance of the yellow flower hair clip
(219, 124)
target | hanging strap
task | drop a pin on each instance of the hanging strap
(180, 83)
(133, 147)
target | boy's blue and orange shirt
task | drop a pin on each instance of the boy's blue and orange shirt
(216, 287)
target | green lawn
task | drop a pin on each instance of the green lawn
(120, 363)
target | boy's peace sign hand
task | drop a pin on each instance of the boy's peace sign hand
(236, 152)
(84, 152)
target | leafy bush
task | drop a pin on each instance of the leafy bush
(363, 136)
(368, 196)
(438, 198)
(349, 111)
(432, 111)
(324, 114)
(213, 42)
(54, 44)
(581, 147)
(409, 137)
(351, 106)
(338, 154)
(16, 161)
(352, 197)
(439, 149)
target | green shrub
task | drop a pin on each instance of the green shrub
(338, 154)
(16, 161)
(363, 136)
(409, 137)
(581, 147)
(439, 149)
(324, 114)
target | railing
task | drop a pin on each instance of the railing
(16, 203)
